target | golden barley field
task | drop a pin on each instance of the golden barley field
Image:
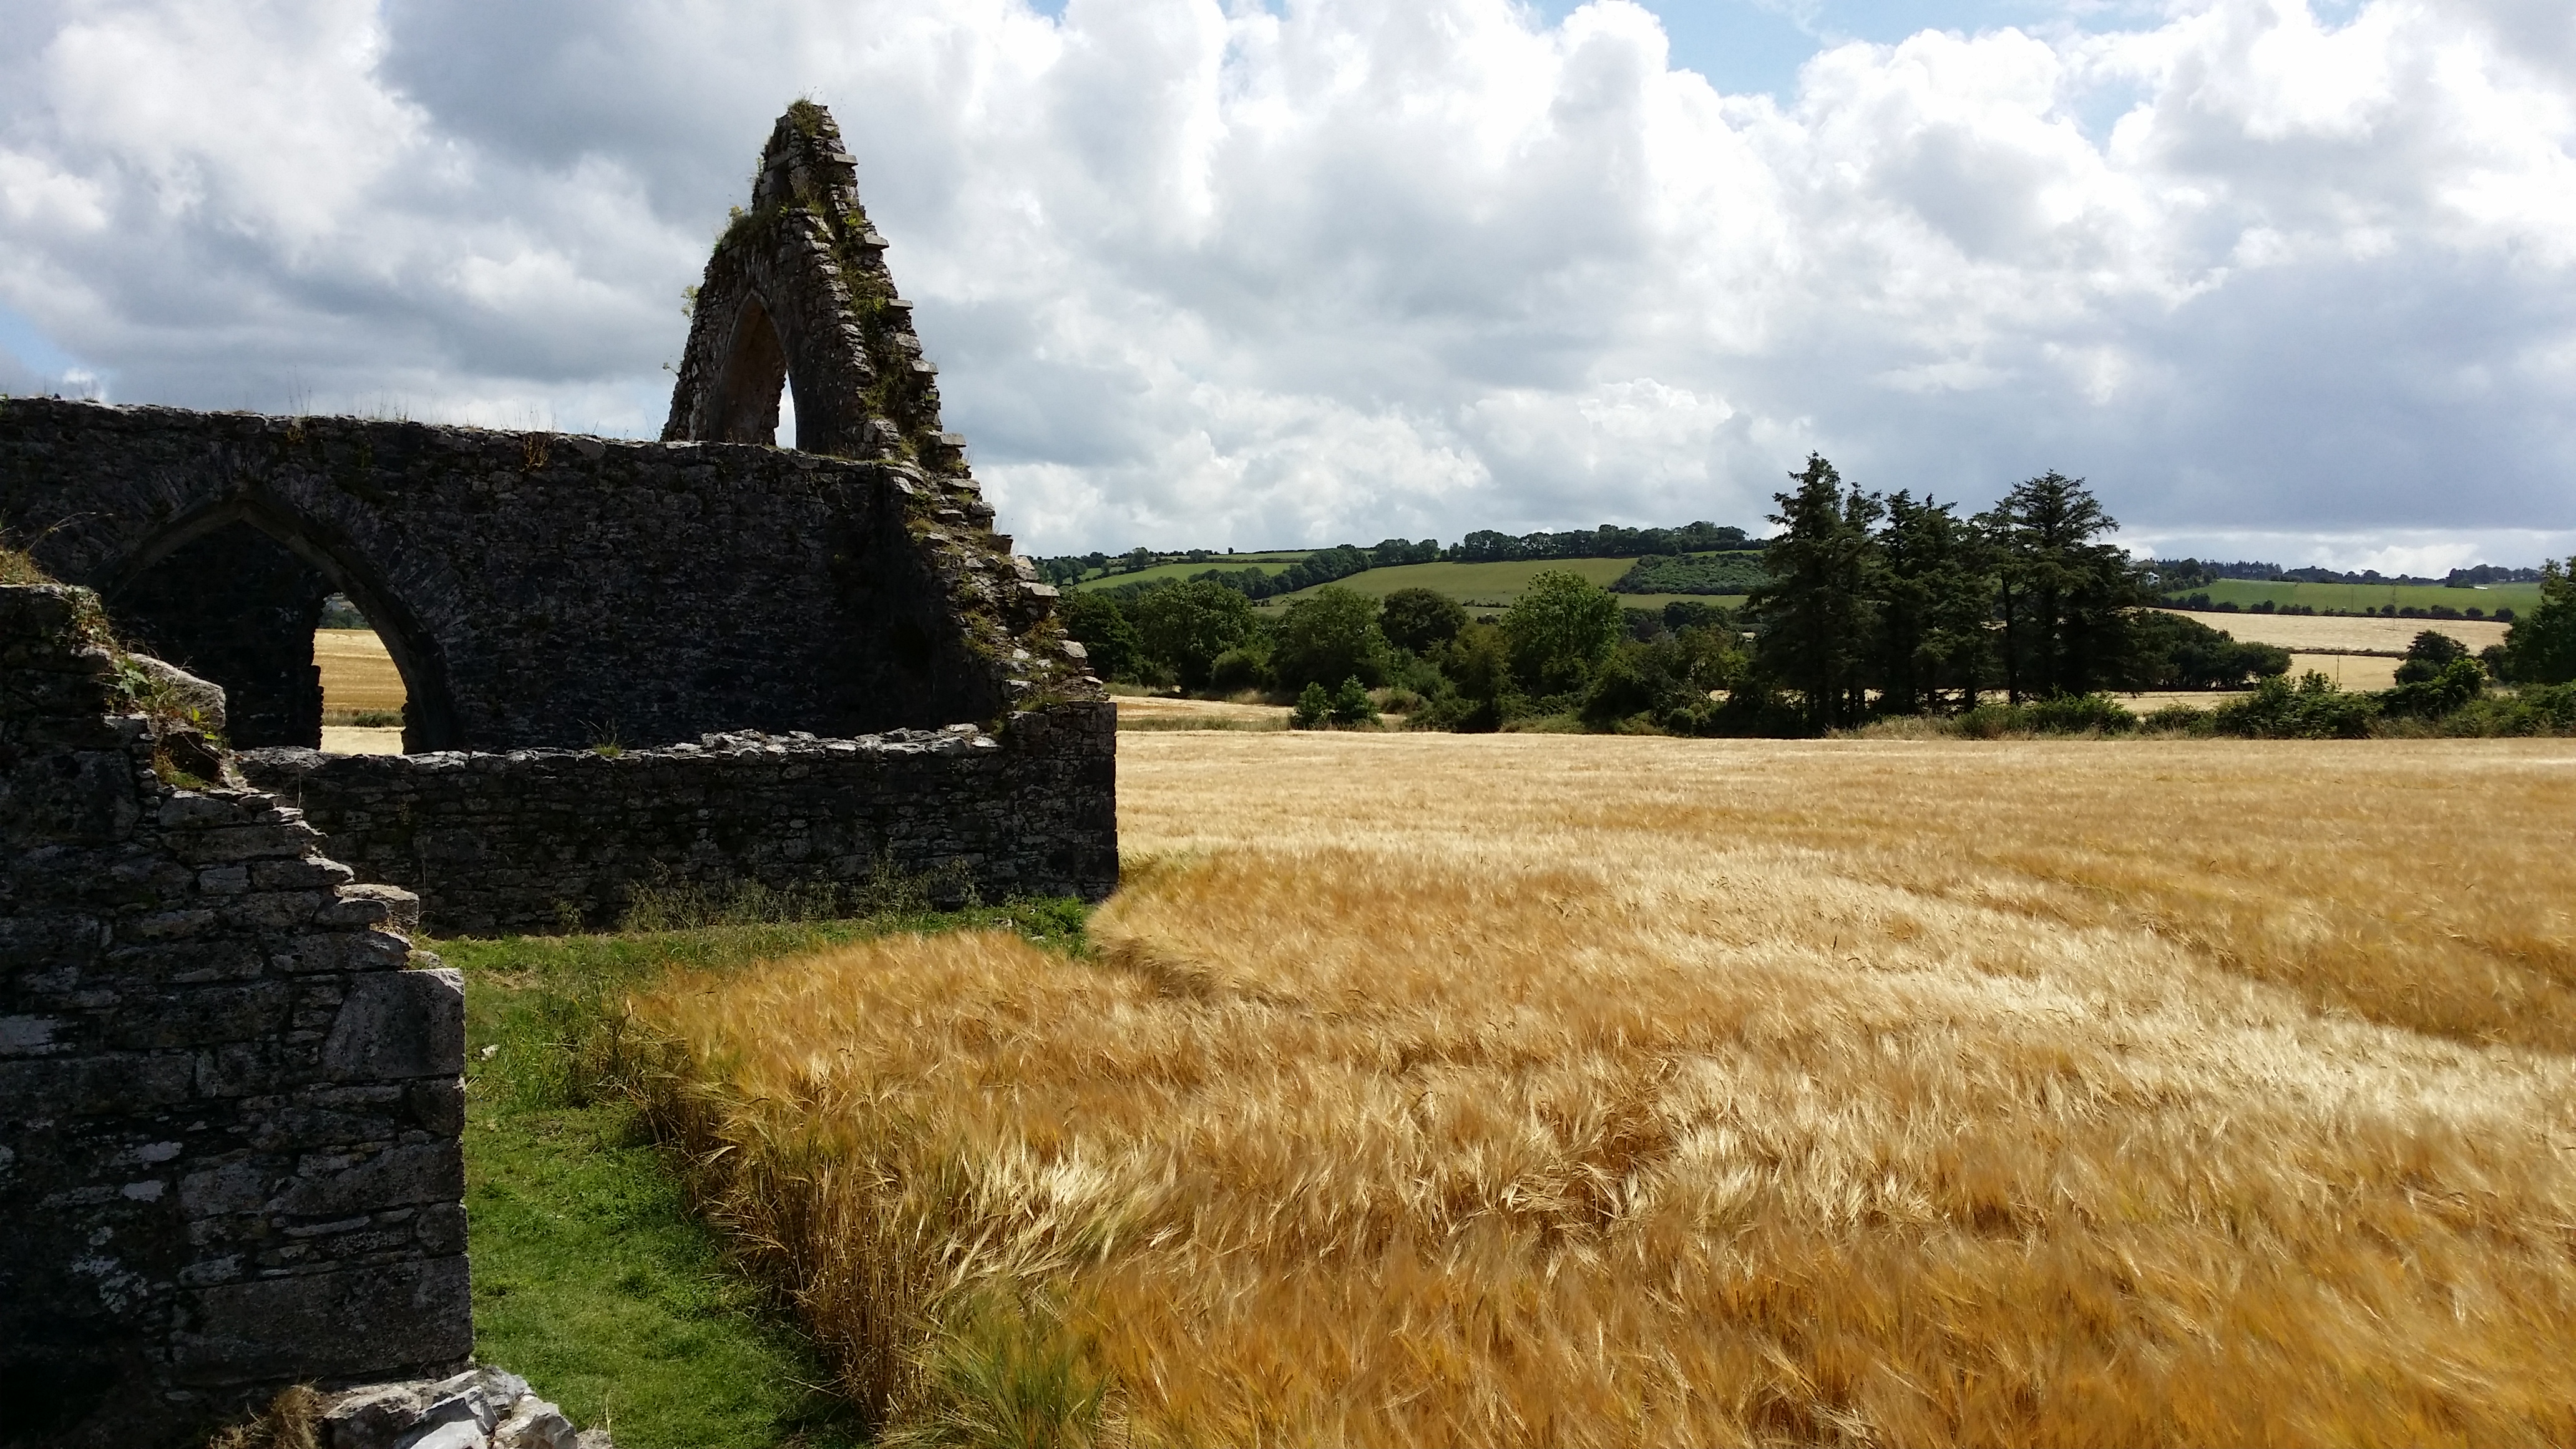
(357, 673)
(2332, 633)
(1560, 1090)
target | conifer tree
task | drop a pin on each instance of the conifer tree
(2061, 594)
(1814, 612)
(1936, 598)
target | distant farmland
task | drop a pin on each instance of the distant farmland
(1269, 563)
(2356, 598)
(2320, 634)
(1499, 584)
(1493, 585)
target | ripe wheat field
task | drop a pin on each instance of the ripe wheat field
(1576, 1090)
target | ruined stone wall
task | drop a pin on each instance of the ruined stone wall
(539, 590)
(230, 1092)
(536, 840)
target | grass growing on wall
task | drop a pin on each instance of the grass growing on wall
(591, 1277)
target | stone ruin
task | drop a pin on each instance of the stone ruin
(231, 1087)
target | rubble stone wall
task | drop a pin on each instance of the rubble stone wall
(537, 590)
(230, 1091)
(539, 840)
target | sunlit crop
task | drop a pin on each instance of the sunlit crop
(1564, 1090)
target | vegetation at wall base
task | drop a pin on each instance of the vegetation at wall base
(593, 1275)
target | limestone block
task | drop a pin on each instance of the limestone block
(81, 797)
(536, 1424)
(370, 1418)
(399, 1024)
(424, 1172)
(345, 1321)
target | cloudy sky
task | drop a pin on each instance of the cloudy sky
(2291, 279)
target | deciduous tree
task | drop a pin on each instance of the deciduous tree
(2540, 648)
(1329, 635)
(1421, 619)
(1560, 627)
(1186, 626)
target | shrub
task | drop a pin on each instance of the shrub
(1458, 714)
(2537, 709)
(2431, 696)
(1628, 683)
(2177, 719)
(1239, 669)
(2429, 654)
(1314, 707)
(2069, 714)
(1989, 721)
(1351, 704)
(17, 566)
(2312, 710)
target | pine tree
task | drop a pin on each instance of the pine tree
(2062, 595)
(1936, 597)
(1814, 613)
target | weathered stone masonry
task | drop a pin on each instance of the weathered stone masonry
(230, 1091)
(536, 591)
(556, 593)
(230, 1094)
(521, 841)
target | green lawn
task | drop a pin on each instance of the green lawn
(590, 1277)
(2355, 598)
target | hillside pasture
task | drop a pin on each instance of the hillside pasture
(2322, 634)
(1481, 583)
(2353, 598)
(1532, 1089)
(1268, 563)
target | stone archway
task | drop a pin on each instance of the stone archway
(232, 592)
(745, 402)
(798, 292)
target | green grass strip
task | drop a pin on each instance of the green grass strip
(590, 1276)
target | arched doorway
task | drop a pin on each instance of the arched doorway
(753, 377)
(233, 594)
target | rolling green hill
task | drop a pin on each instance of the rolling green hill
(2357, 598)
(1476, 583)
(1270, 563)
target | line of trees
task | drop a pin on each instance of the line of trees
(1867, 605)
(1256, 581)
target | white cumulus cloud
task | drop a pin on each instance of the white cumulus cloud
(1199, 274)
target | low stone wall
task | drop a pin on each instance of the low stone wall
(543, 840)
(230, 1092)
